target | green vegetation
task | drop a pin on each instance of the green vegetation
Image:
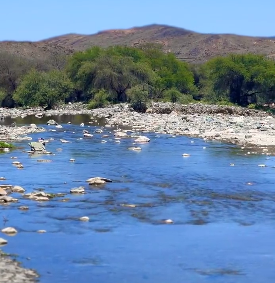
(102, 76)
(5, 145)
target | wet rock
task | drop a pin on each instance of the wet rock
(142, 139)
(168, 221)
(3, 242)
(84, 218)
(7, 199)
(120, 135)
(38, 196)
(52, 122)
(3, 192)
(2, 178)
(78, 190)
(18, 189)
(9, 230)
(98, 180)
(23, 208)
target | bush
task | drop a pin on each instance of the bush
(5, 145)
(251, 106)
(173, 95)
(101, 99)
(138, 98)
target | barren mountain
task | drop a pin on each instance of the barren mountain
(186, 45)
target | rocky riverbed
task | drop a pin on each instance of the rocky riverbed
(12, 272)
(211, 122)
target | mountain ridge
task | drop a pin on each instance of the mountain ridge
(187, 45)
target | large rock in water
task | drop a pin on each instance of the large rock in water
(52, 122)
(98, 181)
(142, 139)
(9, 230)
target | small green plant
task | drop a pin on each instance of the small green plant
(101, 99)
(6, 145)
(251, 106)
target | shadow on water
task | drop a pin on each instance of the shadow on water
(222, 216)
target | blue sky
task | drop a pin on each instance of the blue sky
(40, 19)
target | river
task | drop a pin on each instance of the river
(223, 215)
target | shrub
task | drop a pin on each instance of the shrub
(138, 97)
(101, 99)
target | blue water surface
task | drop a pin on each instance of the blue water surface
(223, 216)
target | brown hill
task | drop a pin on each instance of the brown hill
(187, 45)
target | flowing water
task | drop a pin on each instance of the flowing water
(223, 216)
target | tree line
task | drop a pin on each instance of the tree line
(101, 76)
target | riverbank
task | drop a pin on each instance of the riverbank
(230, 124)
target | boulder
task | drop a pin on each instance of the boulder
(9, 230)
(84, 218)
(98, 181)
(79, 190)
(17, 189)
(2, 192)
(142, 139)
(7, 199)
(52, 122)
(3, 241)
(120, 135)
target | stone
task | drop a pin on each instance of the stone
(98, 181)
(3, 241)
(185, 154)
(168, 221)
(3, 192)
(84, 218)
(23, 208)
(120, 135)
(7, 199)
(41, 198)
(2, 178)
(41, 231)
(18, 189)
(52, 122)
(142, 139)
(79, 190)
(9, 230)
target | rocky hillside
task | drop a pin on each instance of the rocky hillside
(187, 45)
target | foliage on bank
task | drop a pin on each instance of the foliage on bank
(6, 145)
(102, 76)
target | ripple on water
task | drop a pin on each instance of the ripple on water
(213, 210)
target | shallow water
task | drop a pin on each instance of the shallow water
(223, 215)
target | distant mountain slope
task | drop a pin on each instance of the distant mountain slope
(187, 45)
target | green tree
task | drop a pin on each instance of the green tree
(43, 89)
(242, 79)
(115, 74)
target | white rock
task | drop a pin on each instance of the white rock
(9, 230)
(79, 190)
(18, 189)
(142, 139)
(185, 154)
(84, 218)
(41, 231)
(3, 241)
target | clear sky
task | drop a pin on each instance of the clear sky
(41, 19)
